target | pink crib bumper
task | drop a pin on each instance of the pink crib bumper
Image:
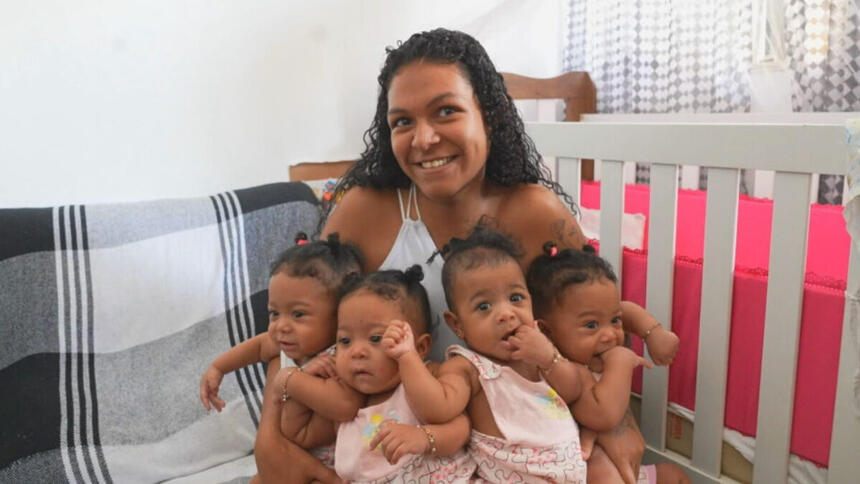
(821, 322)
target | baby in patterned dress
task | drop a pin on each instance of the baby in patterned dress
(379, 437)
(515, 393)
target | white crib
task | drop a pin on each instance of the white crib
(795, 147)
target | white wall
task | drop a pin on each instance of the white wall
(138, 99)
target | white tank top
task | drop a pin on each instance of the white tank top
(414, 245)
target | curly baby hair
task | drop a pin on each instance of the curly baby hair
(555, 270)
(328, 261)
(395, 285)
(483, 246)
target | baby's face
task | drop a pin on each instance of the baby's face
(360, 360)
(491, 302)
(587, 321)
(302, 315)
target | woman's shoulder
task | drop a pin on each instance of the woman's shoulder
(362, 208)
(534, 214)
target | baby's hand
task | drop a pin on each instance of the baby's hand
(620, 355)
(531, 346)
(396, 440)
(398, 339)
(209, 384)
(321, 365)
(662, 345)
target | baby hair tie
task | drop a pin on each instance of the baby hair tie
(333, 239)
(550, 249)
(301, 238)
(414, 274)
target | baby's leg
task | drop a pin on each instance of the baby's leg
(601, 469)
(668, 473)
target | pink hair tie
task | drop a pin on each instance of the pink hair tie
(553, 251)
(301, 238)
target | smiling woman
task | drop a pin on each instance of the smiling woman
(446, 148)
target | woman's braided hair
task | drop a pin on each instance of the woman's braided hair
(512, 158)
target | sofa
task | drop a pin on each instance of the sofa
(109, 315)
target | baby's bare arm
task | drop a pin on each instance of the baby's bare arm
(434, 398)
(603, 404)
(331, 398)
(662, 344)
(533, 347)
(248, 352)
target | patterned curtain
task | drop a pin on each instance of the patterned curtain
(663, 56)
(823, 49)
(673, 56)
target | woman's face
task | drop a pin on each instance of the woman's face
(437, 128)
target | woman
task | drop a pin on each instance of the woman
(447, 148)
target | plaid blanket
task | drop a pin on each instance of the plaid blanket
(109, 314)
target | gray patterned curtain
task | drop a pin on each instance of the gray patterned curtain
(674, 56)
(663, 56)
(823, 48)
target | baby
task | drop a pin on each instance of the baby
(379, 436)
(303, 286)
(516, 395)
(576, 298)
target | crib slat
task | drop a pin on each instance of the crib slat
(661, 269)
(844, 465)
(611, 209)
(781, 325)
(715, 319)
(567, 170)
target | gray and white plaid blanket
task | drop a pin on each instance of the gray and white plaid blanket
(109, 314)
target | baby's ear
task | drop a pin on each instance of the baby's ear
(543, 327)
(423, 344)
(454, 323)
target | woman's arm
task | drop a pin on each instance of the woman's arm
(278, 459)
(624, 445)
(248, 352)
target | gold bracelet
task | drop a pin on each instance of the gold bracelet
(556, 357)
(284, 395)
(430, 438)
(648, 331)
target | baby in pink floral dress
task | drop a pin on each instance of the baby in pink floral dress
(515, 393)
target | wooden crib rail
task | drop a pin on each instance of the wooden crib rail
(794, 150)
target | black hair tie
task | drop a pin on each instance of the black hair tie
(414, 274)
